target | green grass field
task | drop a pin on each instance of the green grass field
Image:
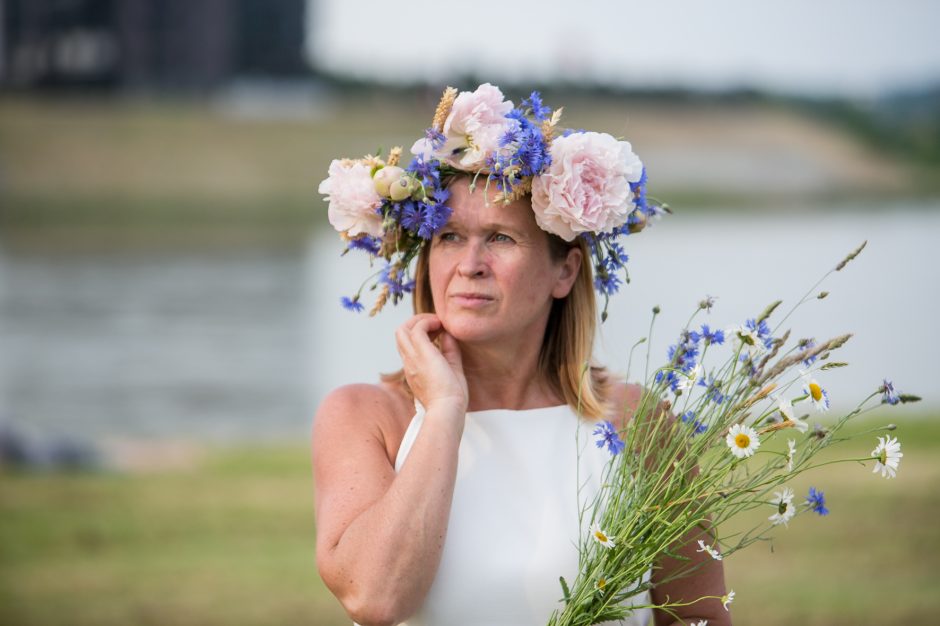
(231, 541)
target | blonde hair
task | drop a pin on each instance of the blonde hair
(565, 360)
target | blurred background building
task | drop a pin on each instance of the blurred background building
(176, 45)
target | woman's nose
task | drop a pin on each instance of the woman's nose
(473, 260)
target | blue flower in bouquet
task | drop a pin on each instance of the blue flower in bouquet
(816, 501)
(761, 330)
(607, 435)
(697, 426)
(351, 304)
(712, 336)
(366, 243)
(683, 354)
(396, 281)
(806, 344)
(890, 395)
(671, 378)
(712, 389)
(606, 283)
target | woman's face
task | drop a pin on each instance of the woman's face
(492, 277)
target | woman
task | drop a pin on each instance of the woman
(447, 494)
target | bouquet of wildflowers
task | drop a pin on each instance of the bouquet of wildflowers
(733, 393)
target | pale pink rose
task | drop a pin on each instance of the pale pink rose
(587, 186)
(353, 199)
(475, 125)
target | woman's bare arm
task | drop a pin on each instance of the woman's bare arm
(380, 534)
(707, 580)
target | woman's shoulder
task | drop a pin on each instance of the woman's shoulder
(381, 410)
(364, 401)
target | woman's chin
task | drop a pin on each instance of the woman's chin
(469, 330)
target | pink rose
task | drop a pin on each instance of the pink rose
(587, 186)
(473, 128)
(353, 199)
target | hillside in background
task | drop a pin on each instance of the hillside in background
(235, 158)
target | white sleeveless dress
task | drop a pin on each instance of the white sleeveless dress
(513, 526)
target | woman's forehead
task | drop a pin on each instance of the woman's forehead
(475, 209)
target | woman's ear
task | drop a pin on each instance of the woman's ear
(568, 273)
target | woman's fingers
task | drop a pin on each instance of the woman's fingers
(451, 351)
(434, 372)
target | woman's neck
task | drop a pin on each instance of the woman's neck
(506, 377)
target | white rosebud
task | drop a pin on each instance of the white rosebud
(384, 178)
(401, 188)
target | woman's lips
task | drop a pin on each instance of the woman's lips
(471, 300)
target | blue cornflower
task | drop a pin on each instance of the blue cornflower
(539, 111)
(817, 501)
(531, 152)
(509, 137)
(712, 389)
(607, 283)
(435, 137)
(697, 426)
(428, 172)
(412, 215)
(351, 304)
(712, 336)
(396, 284)
(806, 344)
(441, 196)
(639, 195)
(762, 330)
(683, 354)
(890, 395)
(607, 435)
(671, 378)
(367, 243)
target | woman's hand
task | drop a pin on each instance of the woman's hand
(434, 372)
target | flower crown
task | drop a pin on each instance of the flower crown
(583, 184)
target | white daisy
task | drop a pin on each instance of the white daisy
(703, 622)
(887, 456)
(785, 509)
(747, 339)
(715, 554)
(600, 584)
(688, 381)
(815, 393)
(728, 599)
(742, 440)
(786, 409)
(791, 452)
(601, 537)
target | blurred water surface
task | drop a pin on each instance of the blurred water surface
(243, 343)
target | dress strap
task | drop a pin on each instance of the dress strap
(410, 435)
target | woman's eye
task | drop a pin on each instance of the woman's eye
(447, 236)
(502, 238)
